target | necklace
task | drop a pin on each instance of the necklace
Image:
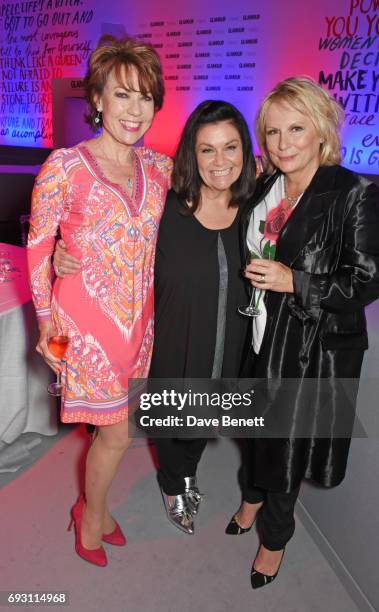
(292, 200)
(129, 179)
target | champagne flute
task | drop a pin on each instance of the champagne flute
(252, 309)
(57, 346)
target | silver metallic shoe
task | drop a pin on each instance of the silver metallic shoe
(179, 513)
(193, 494)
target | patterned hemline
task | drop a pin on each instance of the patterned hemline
(87, 416)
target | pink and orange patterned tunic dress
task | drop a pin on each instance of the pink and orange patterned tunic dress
(106, 309)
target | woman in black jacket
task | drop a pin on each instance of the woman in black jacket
(312, 232)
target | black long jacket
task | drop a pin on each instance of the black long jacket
(331, 242)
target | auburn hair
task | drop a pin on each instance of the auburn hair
(120, 55)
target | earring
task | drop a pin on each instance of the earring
(97, 118)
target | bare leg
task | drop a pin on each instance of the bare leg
(109, 523)
(246, 514)
(103, 459)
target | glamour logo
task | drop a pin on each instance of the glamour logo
(172, 55)
(185, 44)
(202, 54)
(217, 19)
(215, 42)
(247, 65)
(234, 53)
(185, 21)
(203, 31)
(231, 30)
(183, 66)
(214, 65)
(249, 17)
(200, 77)
(173, 33)
(249, 41)
(156, 23)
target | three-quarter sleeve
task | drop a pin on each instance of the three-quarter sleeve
(355, 283)
(46, 211)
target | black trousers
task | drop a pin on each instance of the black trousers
(275, 520)
(177, 459)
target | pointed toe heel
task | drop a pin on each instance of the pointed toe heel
(259, 580)
(233, 527)
(116, 537)
(96, 556)
(179, 513)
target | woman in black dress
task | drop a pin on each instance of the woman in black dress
(198, 282)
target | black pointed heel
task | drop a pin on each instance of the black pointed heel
(259, 580)
(233, 528)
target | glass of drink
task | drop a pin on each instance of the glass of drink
(251, 310)
(58, 347)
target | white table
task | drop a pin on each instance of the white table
(25, 405)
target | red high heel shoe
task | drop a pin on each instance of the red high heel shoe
(96, 556)
(116, 537)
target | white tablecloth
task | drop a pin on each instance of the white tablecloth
(25, 405)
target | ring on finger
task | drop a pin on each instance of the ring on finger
(262, 278)
(57, 270)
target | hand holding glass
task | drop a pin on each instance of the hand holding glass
(58, 347)
(251, 310)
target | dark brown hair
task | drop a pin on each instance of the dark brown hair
(113, 53)
(186, 179)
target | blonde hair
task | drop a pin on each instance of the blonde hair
(306, 96)
(113, 53)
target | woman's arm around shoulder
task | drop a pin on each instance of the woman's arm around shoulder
(161, 162)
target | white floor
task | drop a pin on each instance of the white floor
(160, 569)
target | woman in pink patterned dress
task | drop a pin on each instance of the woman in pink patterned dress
(107, 198)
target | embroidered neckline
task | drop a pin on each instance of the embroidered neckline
(134, 201)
